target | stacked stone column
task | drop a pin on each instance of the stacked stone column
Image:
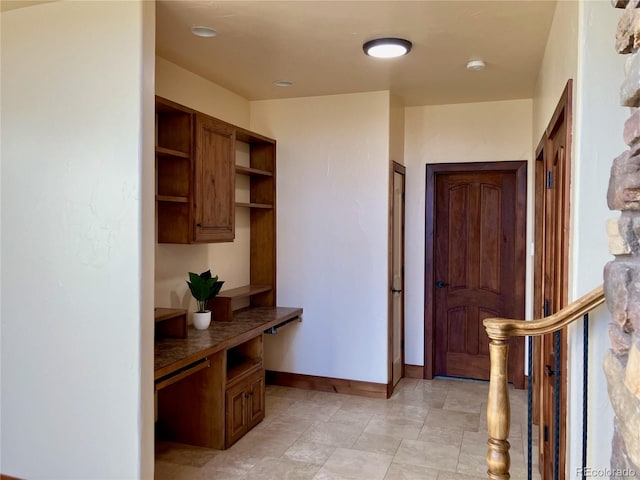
(622, 275)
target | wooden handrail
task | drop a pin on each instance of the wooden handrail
(504, 328)
(498, 407)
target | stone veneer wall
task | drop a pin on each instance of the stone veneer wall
(622, 275)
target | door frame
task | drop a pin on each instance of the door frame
(394, 168)
(519, 167)
(560, 278)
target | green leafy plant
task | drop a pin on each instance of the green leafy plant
(203, 287)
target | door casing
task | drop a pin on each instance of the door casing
(551, 270)
(395, 169)
(519, 167)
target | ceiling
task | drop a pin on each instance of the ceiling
(6, 5)
(318, 46)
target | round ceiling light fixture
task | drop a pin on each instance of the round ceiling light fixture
(200, 31)
(387, 47)
(283, 83)
(476, 65)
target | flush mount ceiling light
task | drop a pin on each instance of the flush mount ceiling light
(200, 31)
(476, 65)
(387, 47)
(283, 83)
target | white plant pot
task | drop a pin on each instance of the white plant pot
(202, 320)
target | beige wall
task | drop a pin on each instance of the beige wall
(182, 86)
(333, 189)
(396, 129)
(559, 64)
(472, 132)
(597, 140)
(229, 260)
(77, 167)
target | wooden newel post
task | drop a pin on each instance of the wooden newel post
(498, 412)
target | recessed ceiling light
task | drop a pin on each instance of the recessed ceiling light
(283, 83)
(200, 31)
(387, 47)
(476, 65)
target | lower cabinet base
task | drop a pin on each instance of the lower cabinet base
(217, 405)
(191, 411)
(244, 406)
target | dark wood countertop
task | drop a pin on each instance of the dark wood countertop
(172, 354)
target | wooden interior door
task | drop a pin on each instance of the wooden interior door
(396, 289)
(478, 214)
(551, 267)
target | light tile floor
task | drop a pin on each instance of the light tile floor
(428, 430)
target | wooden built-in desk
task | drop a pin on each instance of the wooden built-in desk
(210, 385)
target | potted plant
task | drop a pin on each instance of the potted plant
(203, 287)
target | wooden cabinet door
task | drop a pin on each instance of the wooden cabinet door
(214, 181)
(479, 255)
(255, 404)
(236, 424)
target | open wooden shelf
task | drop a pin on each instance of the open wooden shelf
(168, 152)
(244, 291)
(256, 172)
(254, 205)
(243, 358)
(242, 368)
(226, 302)
(172, 198)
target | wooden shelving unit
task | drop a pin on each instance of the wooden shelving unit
(195, 151)
(195, 176)
(213, 404)
(261, 291)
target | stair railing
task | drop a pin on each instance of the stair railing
(500, 330)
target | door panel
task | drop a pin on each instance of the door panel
(478, 253)
(490, 225)
(215, 186)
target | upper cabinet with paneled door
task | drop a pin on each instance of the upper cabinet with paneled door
(214, 180)
(195, 176)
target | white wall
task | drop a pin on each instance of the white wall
(333, 188)
(472, 132)
(598, 139)
(75, 280)
(229, 260)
